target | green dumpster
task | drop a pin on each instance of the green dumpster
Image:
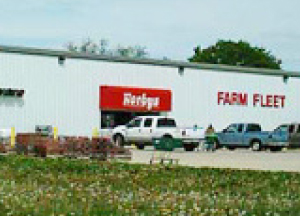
(167, 143)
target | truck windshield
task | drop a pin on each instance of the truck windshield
(165, 122)
(134, 123)
(232, 128)
(281, 128)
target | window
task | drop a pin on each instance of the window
(291, 128)
(281, 128)
(148, 122)
(107, 121)
(240, 128)
(253, 128)
(165, 122)
(231, 128)
(134, 123)
(12, 92)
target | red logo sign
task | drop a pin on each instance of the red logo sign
(134, 99)
(242, 99)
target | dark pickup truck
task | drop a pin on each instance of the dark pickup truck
(293, 131)
(251, 136)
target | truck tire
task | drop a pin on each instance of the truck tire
(140, 146)
(119, 140)
(276, 148)
(231, 148)
(256, 145)
(189, 147)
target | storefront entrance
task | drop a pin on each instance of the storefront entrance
(111, 119)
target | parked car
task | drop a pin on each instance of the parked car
(250, 135)
(293, 131)
(143, 129)
(294, 135)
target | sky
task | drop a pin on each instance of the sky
(167, 28)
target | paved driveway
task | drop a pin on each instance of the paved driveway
(241, 159)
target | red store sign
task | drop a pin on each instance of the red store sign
(135, 99)
(255, 100)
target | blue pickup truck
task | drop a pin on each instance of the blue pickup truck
(251, 136)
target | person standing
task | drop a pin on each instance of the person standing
(210, 138)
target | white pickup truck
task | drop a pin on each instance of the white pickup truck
(141, 131)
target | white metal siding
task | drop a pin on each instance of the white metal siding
(67, 96)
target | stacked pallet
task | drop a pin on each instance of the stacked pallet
(37, 144)
(72, 147)
(3, 148)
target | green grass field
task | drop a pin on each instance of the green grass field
(35, 186)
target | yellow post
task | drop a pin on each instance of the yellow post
(55, 133)
(13, 137)
(95, 132)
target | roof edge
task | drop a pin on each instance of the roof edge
(181, 65)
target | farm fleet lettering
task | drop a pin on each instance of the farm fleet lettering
(140, 101)
(255, 100)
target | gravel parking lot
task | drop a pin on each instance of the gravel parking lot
(288, 160)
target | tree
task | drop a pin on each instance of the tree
(239, 53)
(102, 48)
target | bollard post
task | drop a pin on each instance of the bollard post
(55, 133)
(95, 132)
(13, 137)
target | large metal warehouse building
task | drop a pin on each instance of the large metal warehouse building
(78, 92)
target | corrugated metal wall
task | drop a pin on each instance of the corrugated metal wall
(67, 96)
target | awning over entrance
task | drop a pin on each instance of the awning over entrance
(135, 99)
